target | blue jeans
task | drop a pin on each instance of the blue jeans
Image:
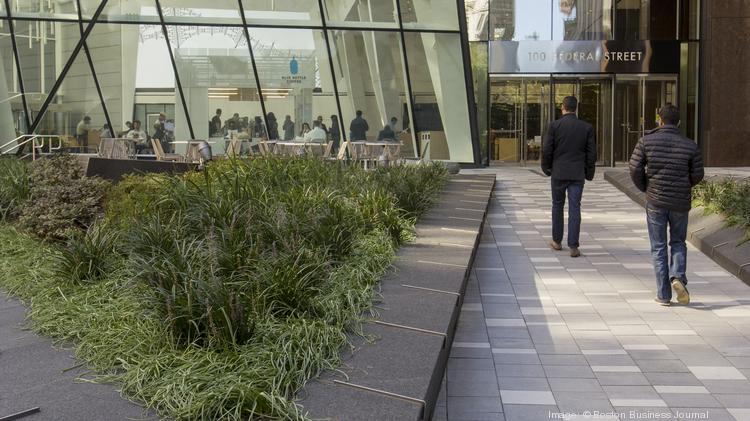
(672, 266)
(574, 189)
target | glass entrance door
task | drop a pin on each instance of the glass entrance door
(594, 107)
(637, 103)
(518, 117)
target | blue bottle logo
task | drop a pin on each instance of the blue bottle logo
(293, 66)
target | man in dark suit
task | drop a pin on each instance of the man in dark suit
(569, 157)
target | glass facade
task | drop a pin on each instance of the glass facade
(622, 59)
(263, 68)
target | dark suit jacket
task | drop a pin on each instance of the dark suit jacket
(569, 149)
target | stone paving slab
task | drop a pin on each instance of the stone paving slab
(544, 336)
(35, 373)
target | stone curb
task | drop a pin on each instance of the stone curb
(707, 232)
(397, 376)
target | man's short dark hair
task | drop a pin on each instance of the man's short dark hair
(218, 111)
(359, 113)
(316, 123)
(670, 114)
(570, 103)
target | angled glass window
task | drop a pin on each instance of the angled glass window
(132, 65)
(429, 14)
(122, 10)
(520, 20)
(371, 78)
(2, 9)
(362, 13)
(225, 12)
(76, 114)
(575, 20)
(295, 77)
(439, 89)
(282, 12)
(44, 9)
(216, 73)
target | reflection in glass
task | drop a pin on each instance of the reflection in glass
(477, 19)
(76, 113)
(36, 43)
(362, 13)
(646, 19)
(282, 12)
(295, 77)
(122, 10)
(216, 71)
(440, 107)
(429, 14)
(215, 11)
(11, 106)
(519, 20)
(46, 9)
(370, 78)
(575, 20)
(134, 62)
(479, 62)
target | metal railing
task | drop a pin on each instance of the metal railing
(37, 142)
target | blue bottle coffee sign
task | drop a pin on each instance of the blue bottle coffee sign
(293, 66)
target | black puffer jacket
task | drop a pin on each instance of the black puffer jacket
(666, 165)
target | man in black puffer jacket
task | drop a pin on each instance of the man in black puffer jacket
(666, 166)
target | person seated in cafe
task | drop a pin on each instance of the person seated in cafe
(317, 134)
(305, 130)
(140, 137)
(233, 125)
(105, 132)
(128, 128)
(82, 132)
(387, 134)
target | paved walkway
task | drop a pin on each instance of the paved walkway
(544, 336)
(35, 374)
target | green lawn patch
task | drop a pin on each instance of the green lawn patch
(217, 294)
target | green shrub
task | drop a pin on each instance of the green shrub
(731, 198)
(88, 257)
(414, 186)
(62, 201)
(14, 186)
(129, 199)
(226, 289)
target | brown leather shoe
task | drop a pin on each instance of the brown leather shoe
(574, 252)
(554, 245)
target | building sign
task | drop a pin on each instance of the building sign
(584, 57)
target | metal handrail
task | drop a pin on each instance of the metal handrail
(11, 98)
(34, 140)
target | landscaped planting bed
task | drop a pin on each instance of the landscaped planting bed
(213, 295)
(730, 198)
